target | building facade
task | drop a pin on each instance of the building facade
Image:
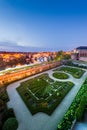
(80, 53)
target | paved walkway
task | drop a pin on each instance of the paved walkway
(70, 78)
(83, 124)
(41, 121)
(80, 126)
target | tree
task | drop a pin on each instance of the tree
(62, 55)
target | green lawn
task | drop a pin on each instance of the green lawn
(75, 72)
(60, 75)
(42, 94)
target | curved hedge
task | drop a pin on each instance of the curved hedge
(76, 109)
(75, 72)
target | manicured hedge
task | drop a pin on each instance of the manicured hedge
(60, 75)
(76, 109)
(42, 94)
(3, 94)
(5, 113)
(81, 107)
(71, 63)
(75, 72)
(8, 113)
(10, 124)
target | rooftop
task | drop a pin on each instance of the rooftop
(82, 48)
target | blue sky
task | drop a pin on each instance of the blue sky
(58, 24)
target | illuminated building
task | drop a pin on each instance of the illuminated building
(80, 53)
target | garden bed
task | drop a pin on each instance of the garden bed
(42, 94)
(60, 75)
(75, 72)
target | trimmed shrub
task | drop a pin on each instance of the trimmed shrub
(60, 75)
(10, 124)
(80, 109)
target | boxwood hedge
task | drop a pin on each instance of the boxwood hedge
(76, 109)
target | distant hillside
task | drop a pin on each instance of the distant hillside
(5, 46)
(19, 49)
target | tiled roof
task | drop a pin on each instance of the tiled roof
(82, 48)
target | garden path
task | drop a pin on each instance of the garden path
(83, 124)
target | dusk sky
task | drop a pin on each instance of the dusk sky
(58, 24)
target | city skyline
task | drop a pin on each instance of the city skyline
(54, 24)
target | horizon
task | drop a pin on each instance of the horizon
(12, 47)
(58, 25)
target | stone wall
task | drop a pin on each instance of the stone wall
(11, 77)
(83, 58)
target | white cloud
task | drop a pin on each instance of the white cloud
(19, 43)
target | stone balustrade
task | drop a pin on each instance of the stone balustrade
(11, 77)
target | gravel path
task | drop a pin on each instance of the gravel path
(41, 121)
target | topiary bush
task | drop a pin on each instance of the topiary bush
(10, 124)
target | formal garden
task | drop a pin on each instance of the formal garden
(43, 94)
(60, 75)
(75, 72)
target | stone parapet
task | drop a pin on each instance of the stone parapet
(11, 77)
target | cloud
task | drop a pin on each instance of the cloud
(21, 43)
